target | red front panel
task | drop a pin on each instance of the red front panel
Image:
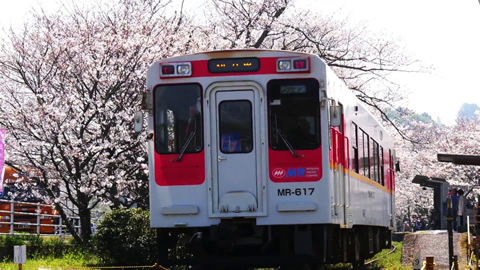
(190, 170)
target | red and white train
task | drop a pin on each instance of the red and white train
(265, 157)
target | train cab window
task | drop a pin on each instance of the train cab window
(178, 118)
(235, 125)
(294, 114)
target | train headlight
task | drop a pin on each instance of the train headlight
(183, 69)
(284, 65)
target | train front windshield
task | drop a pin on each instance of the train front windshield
(293, 109)
(178, 119)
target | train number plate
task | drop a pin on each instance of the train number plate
(295, 191)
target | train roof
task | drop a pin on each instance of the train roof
(236, 53)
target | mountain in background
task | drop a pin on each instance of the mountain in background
(405, 116)
(468, 110)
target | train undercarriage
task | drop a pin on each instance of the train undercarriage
(240, 244)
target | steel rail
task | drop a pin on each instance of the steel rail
(394, 248)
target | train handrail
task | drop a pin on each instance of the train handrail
(340, 154)
(347, 149)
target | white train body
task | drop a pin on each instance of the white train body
(271, 137)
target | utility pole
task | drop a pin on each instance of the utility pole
(450, 231)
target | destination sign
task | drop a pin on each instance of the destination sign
(232, 65)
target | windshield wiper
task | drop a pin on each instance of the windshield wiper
(287, 143)
(185, 145)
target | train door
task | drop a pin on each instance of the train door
(392, 187)
(235, 141)
(341, 183)
(346, 172)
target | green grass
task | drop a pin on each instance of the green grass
(66, 255)
(390, 261)
(77, 258)
(67, 260)
(384, 260)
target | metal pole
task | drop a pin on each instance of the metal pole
(409, 216)
(12, 209)
(455, 262)
(469, 244)
(38, 218)
(450, 231)
(60, 224)
(475, 229)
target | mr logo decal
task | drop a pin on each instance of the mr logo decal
(295, 173)
(278, 173)
(303, 174)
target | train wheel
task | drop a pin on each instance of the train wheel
(217, 267)
(318, 267)
(303, 267)
(204, 267)
(344, 247)
(356, 249)
(388, 236)
(377, 246)
(163, 245)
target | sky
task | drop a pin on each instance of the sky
(444, 35)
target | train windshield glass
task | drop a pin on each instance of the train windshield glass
(293, 114)
(178, 118)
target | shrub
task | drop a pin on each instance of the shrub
(124, 237)
(21, 239)
(10, 241)
(37, 246)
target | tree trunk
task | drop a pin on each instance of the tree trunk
(85, 225)
(68, 223)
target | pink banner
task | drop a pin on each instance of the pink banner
(2, 158)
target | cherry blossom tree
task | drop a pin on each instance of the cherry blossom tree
(461, 139)
(362, 59)
(415, 159)
(421, 159)
(71, 82)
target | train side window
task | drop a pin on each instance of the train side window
(361, 155)
(365, 159)
(368, 155)
(375, 168)
(355, 166)
(382, 170)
